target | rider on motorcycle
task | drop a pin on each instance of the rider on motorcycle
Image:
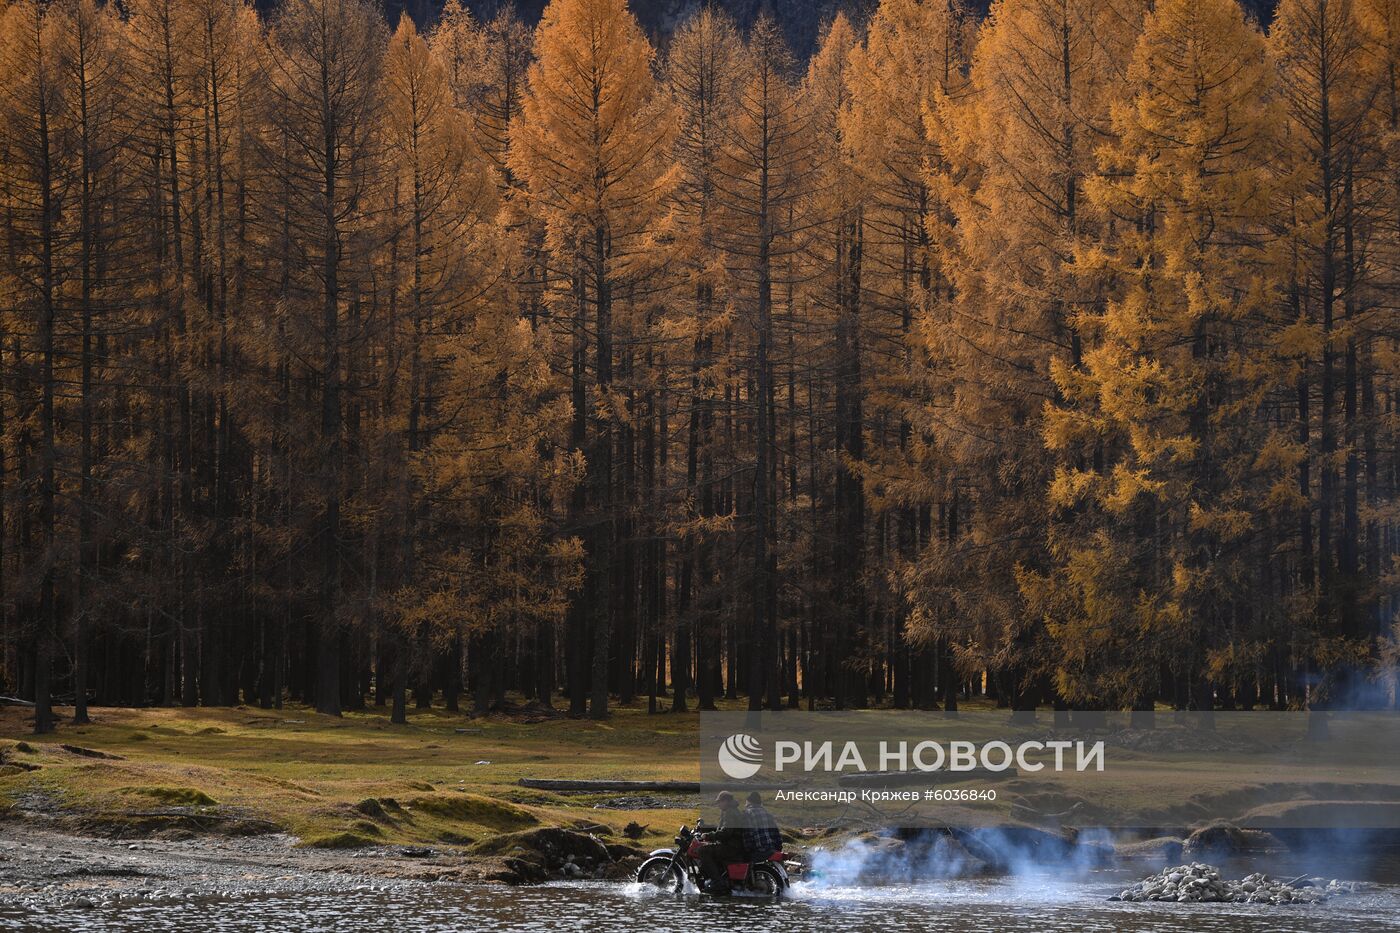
(762, 837)
(726, 844)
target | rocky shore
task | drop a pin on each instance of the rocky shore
(1199, 883)
(41, 866)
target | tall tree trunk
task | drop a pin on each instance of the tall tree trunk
(328, 631)
(602, 481)
(47, 633)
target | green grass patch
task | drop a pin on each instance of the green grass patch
(174, 796)
(372, 808)
(476, 809)
(337, 841)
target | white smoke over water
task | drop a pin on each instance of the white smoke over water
(1039, 866)
(938, 855)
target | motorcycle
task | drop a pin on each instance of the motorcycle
(678, 870)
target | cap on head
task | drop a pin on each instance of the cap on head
(754, 797)
(723, 797)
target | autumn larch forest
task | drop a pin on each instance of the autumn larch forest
(1047, 353)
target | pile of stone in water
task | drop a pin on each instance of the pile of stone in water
(1200, 883)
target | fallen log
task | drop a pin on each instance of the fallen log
(603, 787)
(606, 787)
(90, 753)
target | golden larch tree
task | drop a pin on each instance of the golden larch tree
(592, 150)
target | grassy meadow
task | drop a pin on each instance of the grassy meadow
(442, 778)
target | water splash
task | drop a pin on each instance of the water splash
(917, 857)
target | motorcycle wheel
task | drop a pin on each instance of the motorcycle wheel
(660, 873)
(765, 881)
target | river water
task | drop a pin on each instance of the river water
(1044, 904)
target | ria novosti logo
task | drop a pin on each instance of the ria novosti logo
(740, 756)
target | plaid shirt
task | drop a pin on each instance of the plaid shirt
(762, 837)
